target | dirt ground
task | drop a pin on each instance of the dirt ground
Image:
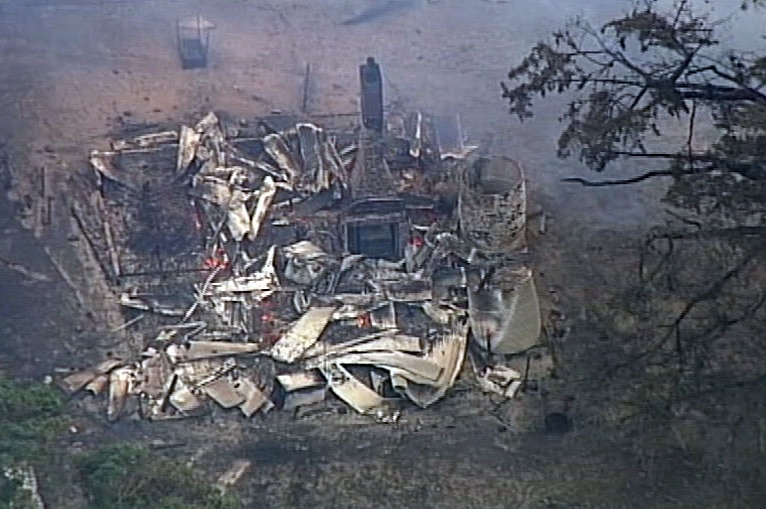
(72, 72)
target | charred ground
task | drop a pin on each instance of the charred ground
(67, 85)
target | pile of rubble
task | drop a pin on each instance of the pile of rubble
(360, 263)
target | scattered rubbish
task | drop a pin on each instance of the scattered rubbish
(306, 263)
(450, 139)
(193, 37)
(449, 354)
(284, 264)
(254, 398)
(387, 341)
(195, 350)
(499, 379)
(301, 380)
(350, 389)
(232, 475)
(411, 367)
(188, 141)
(223, 392)
(168, 305)
(184, 399)
(79, 380)
(302, 335)
(130, 322)
(303, 398)
(98, 385)
(120, 382)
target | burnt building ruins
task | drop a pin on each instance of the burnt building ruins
(278, 263)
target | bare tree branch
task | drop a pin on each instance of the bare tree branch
(620, 182)
(708, 294)
(628, 76)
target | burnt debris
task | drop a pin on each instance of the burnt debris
(283, 261)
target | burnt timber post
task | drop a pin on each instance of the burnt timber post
(372, 95)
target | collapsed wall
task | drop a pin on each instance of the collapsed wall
(326, 265)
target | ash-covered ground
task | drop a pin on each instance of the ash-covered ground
(73, 72)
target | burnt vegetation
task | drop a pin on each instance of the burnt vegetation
(33, 429)
(680, 346)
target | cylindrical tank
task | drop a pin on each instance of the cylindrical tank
(492, 204)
